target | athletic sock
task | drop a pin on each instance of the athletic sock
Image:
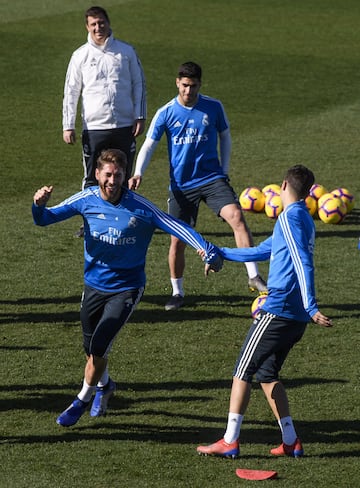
(86, 392)
(233, 427)
(177, 286)
(252, 269)
(288, 432)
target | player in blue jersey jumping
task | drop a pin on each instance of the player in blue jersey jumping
(194, 124)
(290, 305)
(118, 227)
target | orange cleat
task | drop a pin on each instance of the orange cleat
(221, 448)
(294, 450)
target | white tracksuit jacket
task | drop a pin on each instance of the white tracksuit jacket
(112, 83)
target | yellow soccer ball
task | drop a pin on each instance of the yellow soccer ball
(346, 197)
(257, 304)
(331, 209)
(317, 191)
(273, 206)
(272, 189)
(252, 199)
(311, 204)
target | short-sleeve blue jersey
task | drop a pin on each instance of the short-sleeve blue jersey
(192, 138)
(291, 270)
(116, 237)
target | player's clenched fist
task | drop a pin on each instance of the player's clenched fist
(42, 195)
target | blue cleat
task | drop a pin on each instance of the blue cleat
(72, 414)
(102, 396)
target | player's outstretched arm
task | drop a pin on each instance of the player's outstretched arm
(322, 319)
(41, 196)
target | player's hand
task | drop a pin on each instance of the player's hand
(322, 320)
(42, 195)
(134, 182)
(69, 136)
(215, 266)
(138, 127)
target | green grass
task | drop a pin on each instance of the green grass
(288, 75)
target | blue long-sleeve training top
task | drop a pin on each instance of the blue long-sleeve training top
(117, 237)
(291, 271)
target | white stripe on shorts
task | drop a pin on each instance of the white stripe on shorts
(252, 344)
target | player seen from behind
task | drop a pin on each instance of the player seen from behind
(290, 305)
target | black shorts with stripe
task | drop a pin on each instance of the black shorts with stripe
(103, 315)
(266, 347)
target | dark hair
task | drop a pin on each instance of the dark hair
(114, 156)
(95, 12)
(190, 70)
(300, 179)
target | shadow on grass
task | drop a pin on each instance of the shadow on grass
(326, 432)
(166, 425)
(42, 301)
(352, 310)
(158, 314)
(68, 318)
(236, 306)
(44, 398)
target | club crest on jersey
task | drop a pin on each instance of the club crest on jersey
(132, 222)
(205, 119)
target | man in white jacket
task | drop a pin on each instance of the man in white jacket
(108, 74)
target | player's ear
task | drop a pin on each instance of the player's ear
(283, 185)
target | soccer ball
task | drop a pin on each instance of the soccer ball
(346, 197)
(252, 199)
(311, 204)
(331, 209)
(317, 191)
(269, 190)
(257, 304)
(273, 206)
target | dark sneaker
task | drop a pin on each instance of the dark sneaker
(221, 448)
(72, 414)
(294, 450)
(102, 396)
(258, 284)
(175, 302)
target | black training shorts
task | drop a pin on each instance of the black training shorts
(103, 315)
(184, 205)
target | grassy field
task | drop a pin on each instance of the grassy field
(288, 75)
